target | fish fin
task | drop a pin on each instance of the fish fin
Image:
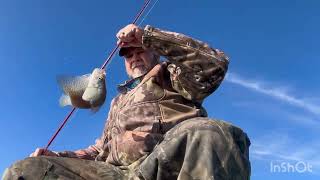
(65, 100)
(73, 83)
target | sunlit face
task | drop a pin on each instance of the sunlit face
(139, 61)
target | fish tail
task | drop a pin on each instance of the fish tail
(64, 100)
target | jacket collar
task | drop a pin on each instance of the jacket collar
(129, 84)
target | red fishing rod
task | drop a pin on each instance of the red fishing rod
(145, 5)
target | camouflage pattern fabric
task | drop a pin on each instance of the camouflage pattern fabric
(59, 168)
(199, 148)
(196, 69)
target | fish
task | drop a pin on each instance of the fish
(85, 92)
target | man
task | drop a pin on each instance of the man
(156, 127)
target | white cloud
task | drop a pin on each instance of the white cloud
(281, 147)
(304, 119)
(275, 92)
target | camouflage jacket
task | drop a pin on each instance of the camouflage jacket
(171, 92)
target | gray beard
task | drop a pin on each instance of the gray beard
(137, 72)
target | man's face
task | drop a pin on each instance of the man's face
(139, 61)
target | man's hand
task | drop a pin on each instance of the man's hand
(130, 36)
(42, 152)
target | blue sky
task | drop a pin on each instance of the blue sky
(271, 90)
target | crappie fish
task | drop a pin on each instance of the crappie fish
(86, 91)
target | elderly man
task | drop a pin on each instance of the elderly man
(156, 127)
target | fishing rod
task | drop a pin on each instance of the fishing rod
(107, 61)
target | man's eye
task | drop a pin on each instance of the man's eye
(128, 56)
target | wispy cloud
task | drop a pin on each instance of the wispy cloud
(274, 92)
(305, 119)
(282, 147)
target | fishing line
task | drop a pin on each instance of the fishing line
(147, 14)
(147, 2)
